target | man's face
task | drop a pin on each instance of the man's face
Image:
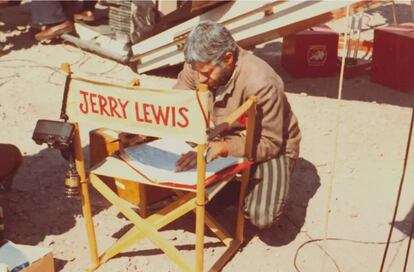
(214, 75)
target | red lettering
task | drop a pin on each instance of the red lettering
(102, 105)
(183, 111)
(123, 106)
(137, 114)
(160, 115)
(84, 106)
(93, 103)
(173, 117)
(146, 112)
(112, 106)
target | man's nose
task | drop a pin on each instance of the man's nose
(203, 79)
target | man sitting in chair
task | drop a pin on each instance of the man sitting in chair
(233, 75)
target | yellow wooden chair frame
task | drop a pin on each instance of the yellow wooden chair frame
(188, 199)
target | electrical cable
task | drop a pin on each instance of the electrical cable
(336, 239)
(409, 244)
(397, 203)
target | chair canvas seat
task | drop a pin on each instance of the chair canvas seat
(113, 166)
(156, 160)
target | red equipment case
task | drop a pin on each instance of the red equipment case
(393, 57)
(311, 53)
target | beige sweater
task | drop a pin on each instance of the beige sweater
(277, 131)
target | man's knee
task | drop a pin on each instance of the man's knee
(263, 218)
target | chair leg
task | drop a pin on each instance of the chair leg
(200, 212)
(240, 215)
(86, 203)
(237, 242)
(143, 203)
(140, 223)
(90, 230)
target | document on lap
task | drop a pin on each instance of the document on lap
(156, 160)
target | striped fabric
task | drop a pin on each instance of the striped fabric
(268, 191)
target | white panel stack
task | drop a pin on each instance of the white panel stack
(250, 22)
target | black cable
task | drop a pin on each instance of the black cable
(407, 151)
(409, 244)
(337, 239)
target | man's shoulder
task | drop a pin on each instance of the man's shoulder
(254, 71)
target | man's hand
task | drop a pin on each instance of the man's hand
(128, 139)
(216, 149)
(187, 161)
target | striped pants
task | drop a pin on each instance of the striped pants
(268, 191)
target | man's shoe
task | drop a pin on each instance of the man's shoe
(87, 16)
(51, 32)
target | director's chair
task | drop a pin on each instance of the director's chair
(102, 105)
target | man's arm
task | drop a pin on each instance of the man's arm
(270, 124)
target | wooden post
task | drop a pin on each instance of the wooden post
(200, 199)
(412, 9)
(86, 205)
(251, 120)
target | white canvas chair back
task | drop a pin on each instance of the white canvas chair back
(180, 114)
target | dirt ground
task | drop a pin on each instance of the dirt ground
(353, 148)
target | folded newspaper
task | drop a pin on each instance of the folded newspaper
(156, 161)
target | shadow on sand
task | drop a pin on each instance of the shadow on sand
(36, 206)
(16, 30)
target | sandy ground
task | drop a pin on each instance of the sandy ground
(367, 145)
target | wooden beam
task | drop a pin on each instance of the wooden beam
(249, 25)
(223, 13)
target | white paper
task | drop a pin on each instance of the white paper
(13, 255)
(156, 160)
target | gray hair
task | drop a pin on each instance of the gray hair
(208, 42)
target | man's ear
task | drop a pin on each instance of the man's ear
(229, 58)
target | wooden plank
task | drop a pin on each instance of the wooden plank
(167, 6)
(222, 13)
(252, 27)
(92, 35)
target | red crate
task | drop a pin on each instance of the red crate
(393, 57)
(311, 53)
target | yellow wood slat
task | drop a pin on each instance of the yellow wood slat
(200, 209)
(142, 224)
(86, 204)
(239, 111)
(163, 217)
(218, 229)
(221, 262)
(213, 225)
(251, 121)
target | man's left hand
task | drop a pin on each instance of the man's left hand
(216, 149)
